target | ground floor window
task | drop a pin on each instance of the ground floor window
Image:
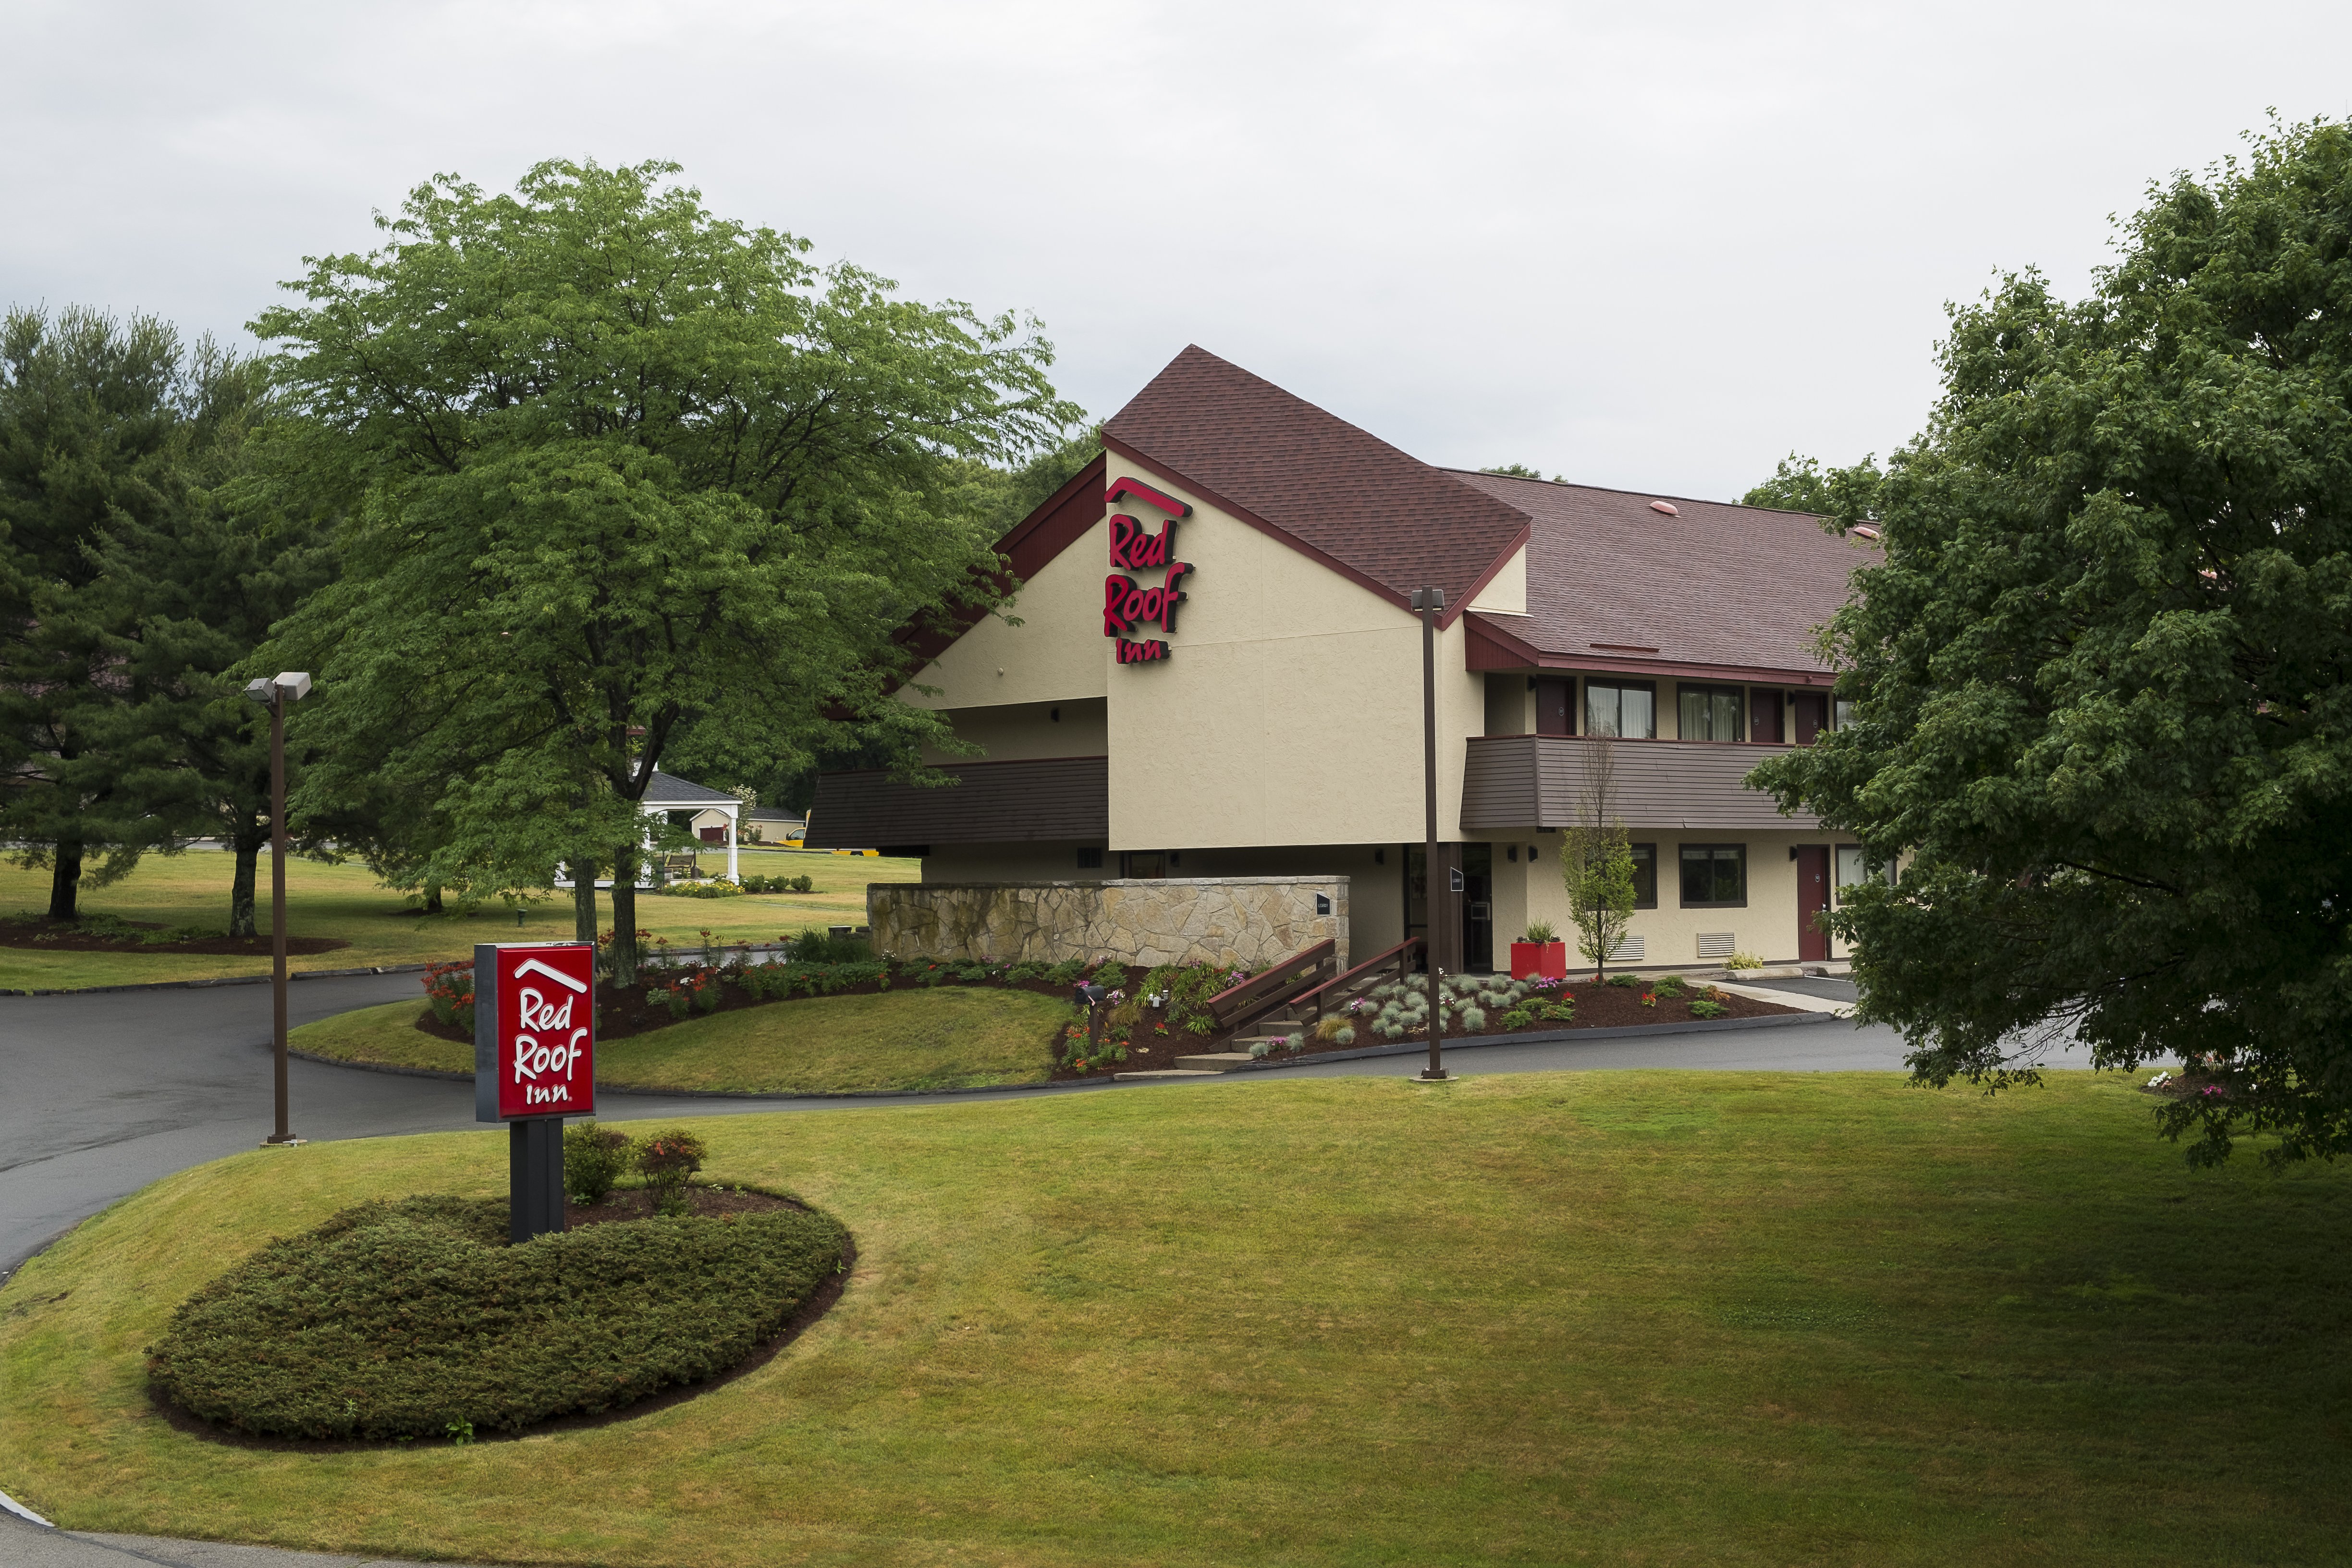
(1645, 876)
(1852, 870)
(1714, 876)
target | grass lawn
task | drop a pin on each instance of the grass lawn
(346, 902)
(946, 1039)
(1664, 1317)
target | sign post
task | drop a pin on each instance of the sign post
(534, 1064)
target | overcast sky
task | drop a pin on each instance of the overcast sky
(1650, 247)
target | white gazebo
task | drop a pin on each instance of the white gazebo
(712, 808)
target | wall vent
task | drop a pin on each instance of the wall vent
(1630, 949)
(1715, 944)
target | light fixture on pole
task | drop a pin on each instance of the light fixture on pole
(289, 686)
(1429, 602)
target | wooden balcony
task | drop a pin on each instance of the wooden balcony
(1546, 781)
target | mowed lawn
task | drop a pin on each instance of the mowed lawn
(346, 902)
(1655, 1318)
(946, 1039)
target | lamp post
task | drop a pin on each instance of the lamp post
(1429, 602)
(289, 686)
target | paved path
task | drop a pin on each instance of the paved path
(101, 1094)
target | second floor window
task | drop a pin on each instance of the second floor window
(1713, 713)
(1620, 707)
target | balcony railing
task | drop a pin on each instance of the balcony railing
(1547, 781)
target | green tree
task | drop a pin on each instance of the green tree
(94, 434)
(1514, 470)
(203, 585)
(620, 471)
(2103, 712)
(1801, 484)
(1596, 862)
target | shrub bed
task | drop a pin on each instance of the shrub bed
(414, 1319)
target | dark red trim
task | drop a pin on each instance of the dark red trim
(1127, 487)
(1490, 646)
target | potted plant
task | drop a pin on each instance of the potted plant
(1540, 954)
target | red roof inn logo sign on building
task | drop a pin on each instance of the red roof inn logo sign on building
(1127, 603)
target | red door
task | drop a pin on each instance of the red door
(1813, 901)
(1813, 712)
(1764, 716)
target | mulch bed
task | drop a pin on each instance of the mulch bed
(71, 938)
(701, 1203)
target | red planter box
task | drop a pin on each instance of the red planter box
(1539, 961)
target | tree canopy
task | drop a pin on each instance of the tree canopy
(624, 476)
(2103, 714)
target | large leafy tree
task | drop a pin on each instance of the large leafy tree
(98, 416)
(2104, 717)
(620, 471)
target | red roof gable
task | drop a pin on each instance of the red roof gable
(1342, 494)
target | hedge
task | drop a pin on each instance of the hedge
(415, 1319)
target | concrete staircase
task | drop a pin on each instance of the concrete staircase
(1273, 1028)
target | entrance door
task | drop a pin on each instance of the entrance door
(1813, 901)
(1477, 909)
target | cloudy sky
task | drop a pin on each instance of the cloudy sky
(1654, 247)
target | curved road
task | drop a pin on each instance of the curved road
(103, 1093)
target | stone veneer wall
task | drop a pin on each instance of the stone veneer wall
(1249, 921)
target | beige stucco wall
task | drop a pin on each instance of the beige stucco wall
(1765, 927)
(1248, 921)
(1018, 731)
(1506, 593)
(1288, 711)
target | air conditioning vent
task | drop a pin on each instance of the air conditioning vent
(1630, 949)
(1717, 945)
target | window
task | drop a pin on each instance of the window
(1143, 863)
(1845, 713)
(1714, 876)
(1620, 707)
(1849, 869)
(1645, 876)
(1712, 713)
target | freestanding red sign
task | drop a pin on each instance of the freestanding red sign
(534, 1064)
(540, 1008)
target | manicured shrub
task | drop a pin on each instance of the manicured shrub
(1624, 980)
(1343, 1036)
(450, 992)
(714, 890)
(1067, 972)
(1518, 1019)
(1112, 975)
(1328, 1027)
(1022, 973)
(1703, 1008)
(1671, 986)
(1540, 931)
(594, 1157)
(415, 1319)
(666, 1160)
(1474, 1020)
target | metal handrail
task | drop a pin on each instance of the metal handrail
(1402, 953)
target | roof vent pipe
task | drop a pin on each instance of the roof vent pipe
(1666, 507)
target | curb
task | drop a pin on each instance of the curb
(1541, 1038)
(21, 1511)
(225, 980)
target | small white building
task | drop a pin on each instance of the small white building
(713, 813)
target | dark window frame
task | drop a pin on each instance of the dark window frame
(1738, 694)
(1590, 681)
(1651, 901)
(1682, 879)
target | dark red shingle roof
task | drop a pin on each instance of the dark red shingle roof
(1344, 492)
